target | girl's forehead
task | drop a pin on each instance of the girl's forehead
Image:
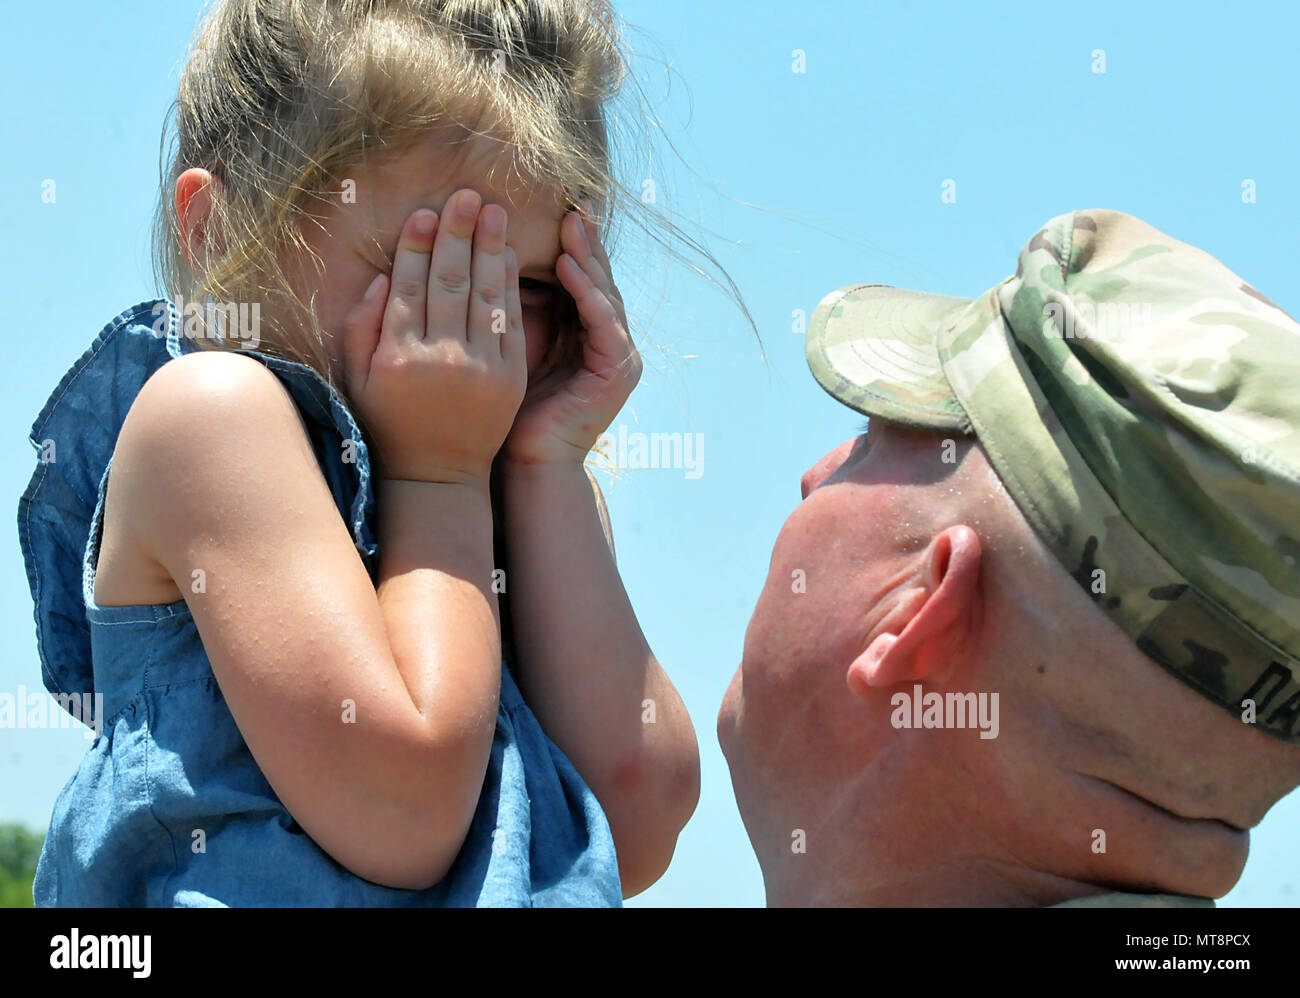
(427, 175)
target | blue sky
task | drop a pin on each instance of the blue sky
(806, 181)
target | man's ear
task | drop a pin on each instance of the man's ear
(196, 191)
(933, 619)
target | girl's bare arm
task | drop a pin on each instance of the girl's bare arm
(588, 673)
(371, 713)
(585, 666)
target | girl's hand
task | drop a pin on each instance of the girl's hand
(435, 356)
(561, 422)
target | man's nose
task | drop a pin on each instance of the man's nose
(824, 468)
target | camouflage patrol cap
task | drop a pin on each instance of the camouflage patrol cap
(1141, 404)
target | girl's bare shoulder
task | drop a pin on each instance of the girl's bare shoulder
(198, 435)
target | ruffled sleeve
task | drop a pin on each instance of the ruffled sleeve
(74, 437)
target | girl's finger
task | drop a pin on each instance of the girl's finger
(580, 249)
(404, 315)
(449, 272)
(361, 331)
(605, 330)
(596, 250)
(513, 345)
(573, 238)
(487, 303)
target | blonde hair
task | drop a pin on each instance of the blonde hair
(281, 98)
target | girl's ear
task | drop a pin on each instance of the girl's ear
(933, 624)
(196, 191)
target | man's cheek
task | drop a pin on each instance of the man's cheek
(729, 712)
(814, 600)
(795, 563)
(772, 614)
(785, 634)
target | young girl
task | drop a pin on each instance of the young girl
(263, 524)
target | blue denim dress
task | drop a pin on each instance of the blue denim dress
(168, 806)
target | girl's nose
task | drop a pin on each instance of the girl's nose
(824, 468)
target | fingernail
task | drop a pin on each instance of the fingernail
(425, 222)
(374, 286)
(469, 205)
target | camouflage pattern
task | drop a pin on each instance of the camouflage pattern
(1141, 403)
(1120, 900)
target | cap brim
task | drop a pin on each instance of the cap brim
(875, 349)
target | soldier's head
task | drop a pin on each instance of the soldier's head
(1037, 632)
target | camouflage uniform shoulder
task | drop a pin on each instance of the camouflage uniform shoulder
(1116, 899)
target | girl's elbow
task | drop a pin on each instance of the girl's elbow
(648, 820)
(413, 856)
(645, 857)
(428, 867)
(428, 819)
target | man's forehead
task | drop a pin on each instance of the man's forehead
(894, 453)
